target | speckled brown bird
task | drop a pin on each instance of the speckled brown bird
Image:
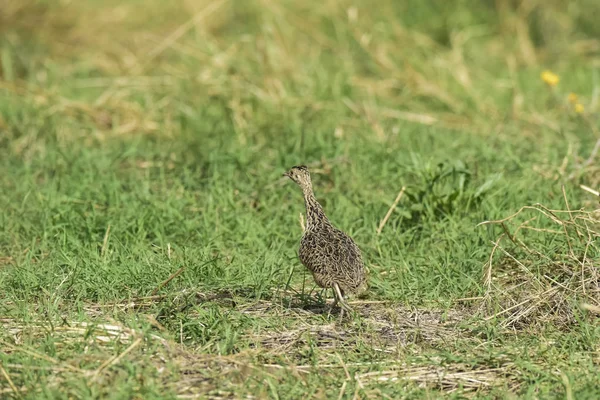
(329, 254)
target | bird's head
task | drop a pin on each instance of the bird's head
(300, 175)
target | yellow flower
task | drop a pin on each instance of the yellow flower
(572, 98)
(550, 78)
(579, 108)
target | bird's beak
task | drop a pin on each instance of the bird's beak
(286, 174)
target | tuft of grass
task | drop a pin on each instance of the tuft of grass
(557, 278)
(148, 241)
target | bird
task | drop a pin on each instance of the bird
(332, 257)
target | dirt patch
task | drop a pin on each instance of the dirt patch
(383, 325)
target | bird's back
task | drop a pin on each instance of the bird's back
(333, 257)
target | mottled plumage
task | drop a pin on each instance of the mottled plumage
(329, 254)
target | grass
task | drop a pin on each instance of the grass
(148, 242)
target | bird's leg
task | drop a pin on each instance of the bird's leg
(340, 297)
(335, 301)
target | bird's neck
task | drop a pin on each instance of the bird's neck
(315, 215)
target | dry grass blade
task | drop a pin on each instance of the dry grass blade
(589, 189)
(342, 390)
(105, 240)
(487, 276)
(169, 279)
(535, 207)
(343, 366)
(10, 382)
(421, 118)
(591, 307)
(389, 212)
(114, 360)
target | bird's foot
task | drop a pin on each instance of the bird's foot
(339, 298)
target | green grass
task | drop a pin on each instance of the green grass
(148, 242)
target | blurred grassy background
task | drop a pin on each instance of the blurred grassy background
(143, 141)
